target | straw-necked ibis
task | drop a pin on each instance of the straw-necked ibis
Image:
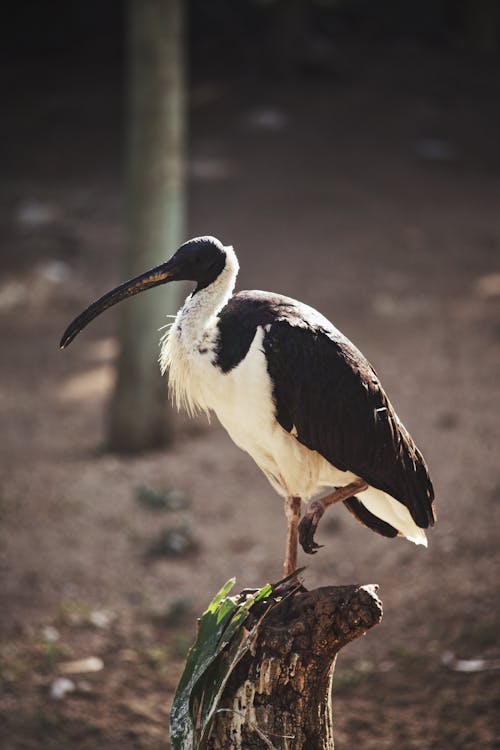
(291, 391)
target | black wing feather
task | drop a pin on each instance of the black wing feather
(327, 390)
(359, 511)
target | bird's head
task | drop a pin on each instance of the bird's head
(201, 260)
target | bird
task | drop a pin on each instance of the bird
(292, 391)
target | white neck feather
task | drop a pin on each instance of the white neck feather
(194, 330)
(200, 309)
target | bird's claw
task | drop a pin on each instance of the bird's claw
(307, 529)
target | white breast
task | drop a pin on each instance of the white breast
(243, 402)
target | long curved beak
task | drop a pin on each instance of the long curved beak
(154, 277)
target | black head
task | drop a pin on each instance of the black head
(201, 260)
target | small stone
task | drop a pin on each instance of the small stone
(469, 666)
(61, 687)
(55, 271)
(34, 213)
(81, 666)
(101, 619)
(12, 294)
(50, 634)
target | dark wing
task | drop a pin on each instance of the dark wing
(238, 323)
(373, 522)
(326, 389)
(328, 393)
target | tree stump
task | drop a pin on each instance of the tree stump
(279, 695)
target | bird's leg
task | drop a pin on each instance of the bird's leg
(314, 513)
(292, 512)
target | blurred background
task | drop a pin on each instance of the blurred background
(349, 150)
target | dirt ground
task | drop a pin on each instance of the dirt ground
(376, 199)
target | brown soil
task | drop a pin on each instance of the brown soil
(341, 209)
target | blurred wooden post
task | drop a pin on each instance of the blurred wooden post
(155, 214)
(279, 695)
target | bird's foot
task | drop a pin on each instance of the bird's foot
(308, 526)
(314, 513)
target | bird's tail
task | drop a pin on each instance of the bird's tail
(385, 515)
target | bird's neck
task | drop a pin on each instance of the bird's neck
(200, 310)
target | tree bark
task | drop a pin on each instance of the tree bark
(279, 695)
(155, 215)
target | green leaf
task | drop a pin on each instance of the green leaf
(200, 656)
(239, 639)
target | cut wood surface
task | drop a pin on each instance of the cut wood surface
(279, 695)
